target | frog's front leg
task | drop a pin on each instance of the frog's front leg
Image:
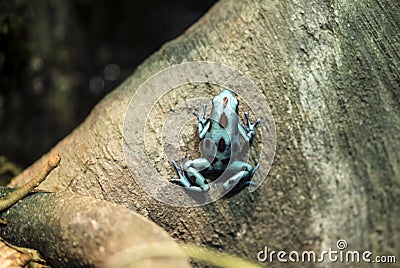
(248, 132)
(192, 169)
(245, 172)
(204, 123)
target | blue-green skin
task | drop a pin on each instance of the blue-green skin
(220, 147)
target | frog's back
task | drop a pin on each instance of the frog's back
(222, 139)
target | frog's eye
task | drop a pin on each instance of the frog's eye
(234, 103)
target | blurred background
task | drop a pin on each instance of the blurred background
(59, 58)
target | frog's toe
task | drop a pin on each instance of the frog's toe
(180, 182)
(249, 183)
(189, 187)
(254, 169)
(258, 121)
(202, 188)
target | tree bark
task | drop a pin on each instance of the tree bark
(79, 231)
(330, 71)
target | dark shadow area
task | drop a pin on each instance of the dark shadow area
(59, 58)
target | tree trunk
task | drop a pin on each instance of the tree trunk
(330, 72)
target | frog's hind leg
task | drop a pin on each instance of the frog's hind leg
(192, 169)
(245, 172)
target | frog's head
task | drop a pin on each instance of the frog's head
(226, 99)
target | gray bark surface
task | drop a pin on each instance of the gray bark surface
(330, 71)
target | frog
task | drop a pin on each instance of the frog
(220, 145)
